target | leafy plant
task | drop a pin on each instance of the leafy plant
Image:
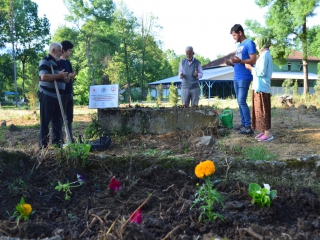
(173, 94)
(159, 93)
(16, 185)
(149, 96)
(66, 187)
(206, 195)
(94, 129)
(78, 152)
(261, 196)
(258, 153)
(23, 210)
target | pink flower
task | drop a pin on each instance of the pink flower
(114, 184)
(136, 217)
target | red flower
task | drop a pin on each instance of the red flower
(136, 217)
(114, 184)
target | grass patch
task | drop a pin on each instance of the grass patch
(258, 153)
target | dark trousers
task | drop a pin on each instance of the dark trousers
(49, 112)
(69, 115)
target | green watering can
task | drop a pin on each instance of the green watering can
(226, 118)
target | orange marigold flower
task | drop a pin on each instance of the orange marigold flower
(204, 169)
(26, 209)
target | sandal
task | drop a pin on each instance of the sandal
(258, 136)
(263, 138)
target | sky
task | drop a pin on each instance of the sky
(203, 24)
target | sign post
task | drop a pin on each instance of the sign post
(104, 96)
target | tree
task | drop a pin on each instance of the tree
(286, 23)
(91, 17)
(314, 41)
(27, 33)
(173, 94)
(159, 93)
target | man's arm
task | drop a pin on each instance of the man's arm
(180, 71)
(200, 72)
(52, 77)
(252, 59)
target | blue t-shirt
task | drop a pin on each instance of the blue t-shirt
(244, 49)
(66, 65)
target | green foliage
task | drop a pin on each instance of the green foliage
(208, 197)
(94, 129)
(159, 93)
(286, 85)
(16, 186)
(78, 153)
(173, 94)
(66, 187)
(149, 96)
(23, 210)
(261, 196)
(258, 153)
(295, 88)
(317, 87)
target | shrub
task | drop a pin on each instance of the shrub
(149, 96)
(159, 93)
(173, 94)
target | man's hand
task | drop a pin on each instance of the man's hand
(235, 59)
(196, 73)
(181, 76)
(72, 75)
(62, 74)
(228, 62)
(249, 67)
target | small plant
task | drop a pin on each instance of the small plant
(258, 153)
(78, 152)
(206, 195)
(149, 96)
(94, 129)
(150, 152)
(66, 188)
(15, 187)
(159, 93)
(23, 210)
(261, 196)
(173, 94)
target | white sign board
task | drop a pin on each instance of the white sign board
(104, 96)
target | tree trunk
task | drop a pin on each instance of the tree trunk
(127, 71)
(13, 52)
(89, 62)
(305, 57)
(23, 76)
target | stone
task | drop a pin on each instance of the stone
(206, 141)
(14, 128)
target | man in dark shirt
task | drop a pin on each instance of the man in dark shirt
(64, 62)
(50, 71)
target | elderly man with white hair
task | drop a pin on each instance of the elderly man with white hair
(190, 71)
(49, 104)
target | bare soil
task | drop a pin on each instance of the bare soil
(95, 212)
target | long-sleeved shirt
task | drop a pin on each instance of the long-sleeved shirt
(262, 73)
(200, 71)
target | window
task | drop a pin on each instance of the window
(289, 66)
(300, 67)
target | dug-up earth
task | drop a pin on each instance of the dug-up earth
(156, 172)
